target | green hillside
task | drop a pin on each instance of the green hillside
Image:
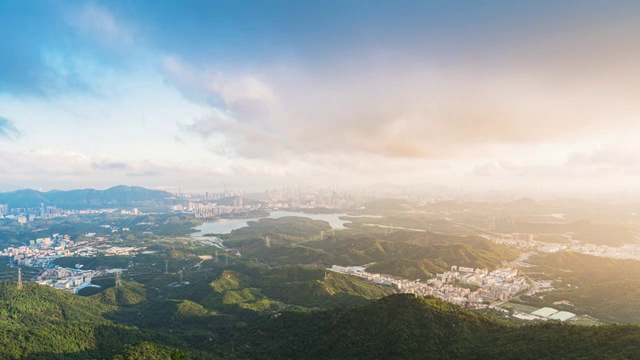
(43, 323)
(409, 254)
(406, 327)
(40, 322)
(129, 293)
(39, 305)
(609, 289)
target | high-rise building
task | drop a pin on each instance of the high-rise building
(237, 201)
(4, 209)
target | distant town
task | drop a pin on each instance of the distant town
(492, 289)
(40, 253)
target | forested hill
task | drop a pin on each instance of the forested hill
(408, 327)
(42, 323)
(117, 196)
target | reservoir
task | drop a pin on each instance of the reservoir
(225, 226)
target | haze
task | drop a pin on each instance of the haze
(486, 95)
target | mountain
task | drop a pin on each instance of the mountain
(117, 196)
(43, 323)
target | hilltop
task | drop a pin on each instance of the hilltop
(40, 322)
(408, 327)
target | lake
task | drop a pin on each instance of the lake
(225, 226)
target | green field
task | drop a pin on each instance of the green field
(519, 307)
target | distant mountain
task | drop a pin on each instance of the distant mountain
(117, 196)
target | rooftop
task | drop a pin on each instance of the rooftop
(544, 312)
(562, 316)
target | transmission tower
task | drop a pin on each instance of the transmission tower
(166, 267)
(321, 235)
(118, 281)
(181, 278)
(216, 260)
(267, 242)
(226, 260)
(19, 279)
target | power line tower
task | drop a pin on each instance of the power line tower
(321, 235)
(216, 260)
(267, 242)
(19, 279)
(118, 280)
(226, 260)
(166, 267)
(181, 278)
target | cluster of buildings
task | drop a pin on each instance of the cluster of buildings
(526, 241)
(24, 215)
(497, 285)
(66, 278)
(211, 209)
(304, 197)
(295, 197)
(630, 252)
(41, 252)
(301, 197)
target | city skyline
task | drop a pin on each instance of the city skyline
(256, 95)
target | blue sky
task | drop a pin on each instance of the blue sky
(257, 94)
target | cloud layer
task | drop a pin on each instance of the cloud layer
(400, 113)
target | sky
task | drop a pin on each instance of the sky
(252, 95)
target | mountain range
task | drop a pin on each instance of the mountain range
(117, 196)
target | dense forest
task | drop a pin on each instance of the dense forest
(42, 323)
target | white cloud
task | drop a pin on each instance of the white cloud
(397, 113)
(96, 20)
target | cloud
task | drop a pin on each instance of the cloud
(66, 48)
(621, 157)
(409, 112)
(100, 23)
(487, 169)
(71, 169)
(611, 160)
(532, 87)
(8, 129)
(109, 165)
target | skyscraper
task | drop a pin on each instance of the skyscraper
(4, 209)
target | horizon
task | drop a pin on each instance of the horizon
(437, 193)
(534, 96)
